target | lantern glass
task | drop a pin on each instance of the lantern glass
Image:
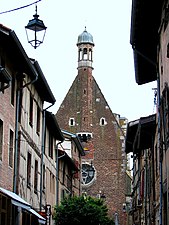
(35, 31)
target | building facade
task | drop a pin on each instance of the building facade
(17, 73)
(140, 141)
(87, 114)
(149, 40)
(70, 153)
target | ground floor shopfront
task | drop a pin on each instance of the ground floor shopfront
(16, 211)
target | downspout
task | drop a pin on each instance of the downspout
(145, 189)
(160, 150)
(42, 151)
(153, 177)
(16, 133)
(57, 172)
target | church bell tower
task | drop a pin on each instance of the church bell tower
(85, 46)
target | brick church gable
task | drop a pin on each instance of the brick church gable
(85, 111)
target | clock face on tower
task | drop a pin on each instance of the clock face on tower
(88, 174)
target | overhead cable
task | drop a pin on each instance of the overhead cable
(20, 7)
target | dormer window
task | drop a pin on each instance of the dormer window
(71, 122)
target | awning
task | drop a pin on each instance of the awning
(140, 134)
(18, 201)
(41, 219)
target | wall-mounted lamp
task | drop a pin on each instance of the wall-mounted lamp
(35, 31)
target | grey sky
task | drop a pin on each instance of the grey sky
(109, 23)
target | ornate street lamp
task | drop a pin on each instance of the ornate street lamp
(35, 31)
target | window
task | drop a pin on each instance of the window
(44, 186)
(29, 169)
(31, 110)
(38, 120)
(168, 50)
(76, 173)
(156, 160)
(85, 53)
(26, 218)
(50, 146)
(63, 174)
(165, 114)
(12, 90)
(1, 138)
(5, 213)
(90, 54)
(52, 183)
(102, 121)
(20, 104)
(45, 141)
(71, 122)
(11, 140)
(3, 65)
(36, 176)
(88, 174)
(80, 54)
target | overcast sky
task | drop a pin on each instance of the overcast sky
(109, 23)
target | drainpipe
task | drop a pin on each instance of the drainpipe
(153, 177)
(146, 213)
(42, 151)
(57, 172)
(16, 132)
(160, 151)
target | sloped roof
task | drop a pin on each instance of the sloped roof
(144, 37)
(76, 139)
(22, 63)
(52, 124)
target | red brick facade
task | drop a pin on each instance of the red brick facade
(7, 116)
